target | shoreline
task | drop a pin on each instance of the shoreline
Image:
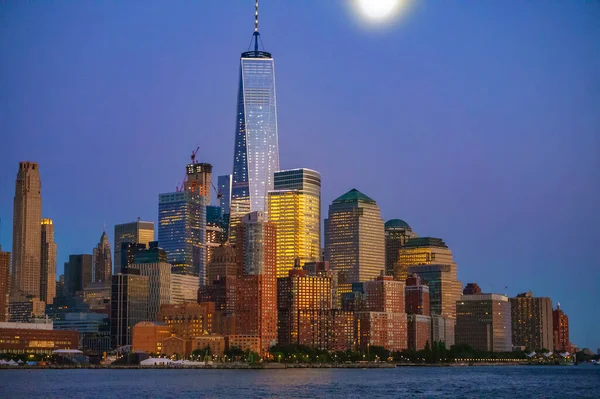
(271, 366)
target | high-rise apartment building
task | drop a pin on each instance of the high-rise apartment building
(78, 273)
(48, 259)
(560, 326)
(354, 239)
(256, 295)
(295, 208)
(4, 284)
(198, 180)
(418, 331)
(221, 280)
(532, 321)
(304, 307)
(102, 261)
(483, 321)
(128, 305)
(27, 233)
(138, 232)
(397, 233)
(182, 231)
(256, 148)
(151, 263)
(383, 321)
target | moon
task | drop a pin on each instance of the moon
(378, 11)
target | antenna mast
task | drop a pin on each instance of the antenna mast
(256, 34)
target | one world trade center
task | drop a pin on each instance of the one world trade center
(256, 151)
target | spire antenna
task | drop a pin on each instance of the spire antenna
(256, 17)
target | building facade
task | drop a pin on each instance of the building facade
(48, 259)
(532, 321)
(182, 231)
(189, 320)
(417, 296)
(4, 284)
(198, 179)
(26, 310)
(148, 336)
(256, 287)
(294, 206)
(354, 239)
(418, 331)
(128, 306)
(102, 260)
(214, 230)
(560, 326)
(78, 273)
(483, 321)
(224, 201)
(138, 232)
(27, 232)
(184, 288)
(397, 233)
(21, 338)
(256, 148)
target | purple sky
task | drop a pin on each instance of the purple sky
(477, 122)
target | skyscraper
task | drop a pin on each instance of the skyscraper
(354, 239)
(532, 321)
(198, 179)
(224, 201)
(27, 232)
(214, 230)
(128, 305)
(78, 273)
(102, 261)
(138, 232)
(152, 263)
(397, 233)
(182, 231)
(4, 284)
(48, 259)
(295, 209)
(256, 148)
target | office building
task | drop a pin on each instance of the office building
(224, 201)
(93, 330)
(102, 261)
(256, 295)
(184, 288)
(397, 233)
(417, 296)
(27, 233)
(26, 310)
(128, 251)
(129, 305)
(198, 179)
(304, 305)
(138, 232)
(48, 259)
(97, 297)
(354, 239)
(4, 284)
(182, 231)
(382, 320)
(214, 230)
(151, 263)
(78, 273)
(256, 148)
(560, 327)
(483, 321)
(294, 206)
(422, 251)
(532, 322)
(35, 338)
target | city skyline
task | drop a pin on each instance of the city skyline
(472, 229)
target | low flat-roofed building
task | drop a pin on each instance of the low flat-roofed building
(244, 342)
(148, 336)
(35, 338)
(216, 343)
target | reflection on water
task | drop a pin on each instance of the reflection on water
(480, 382)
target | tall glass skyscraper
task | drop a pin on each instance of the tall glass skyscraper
(182, 231)
(256, 151)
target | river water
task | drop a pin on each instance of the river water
(431, 382)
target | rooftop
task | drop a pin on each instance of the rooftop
(425, 242)
(354, 196)
(397, 223)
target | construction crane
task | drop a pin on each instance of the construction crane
(194, 155)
